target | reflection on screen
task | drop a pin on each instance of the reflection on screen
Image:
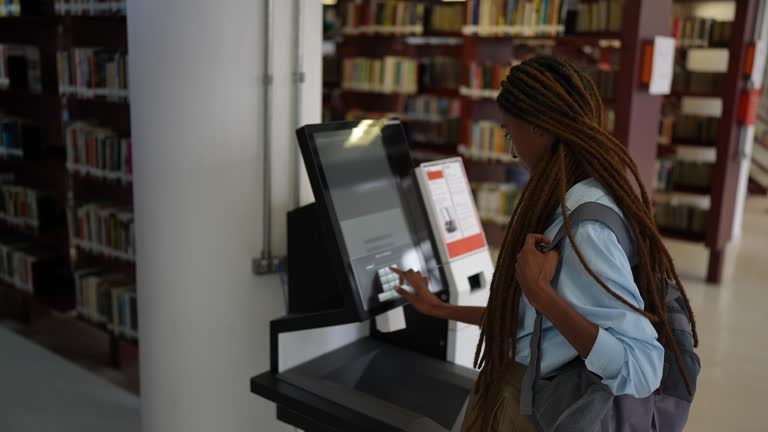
(373, 197)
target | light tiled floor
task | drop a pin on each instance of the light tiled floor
(732, 321)
(40, 392)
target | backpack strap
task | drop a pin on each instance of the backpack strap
(593, 211)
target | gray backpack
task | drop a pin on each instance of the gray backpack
(575, 399)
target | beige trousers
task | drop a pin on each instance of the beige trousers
(506, 413)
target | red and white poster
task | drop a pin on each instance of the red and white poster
(453, 207)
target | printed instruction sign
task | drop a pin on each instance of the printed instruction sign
(453, 207)
(663, 65)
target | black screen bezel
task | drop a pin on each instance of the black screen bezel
(322, 193)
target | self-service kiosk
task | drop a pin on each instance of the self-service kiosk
(374, 211)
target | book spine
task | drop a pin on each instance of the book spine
(697, 22)
(78, 68)
(92, 69)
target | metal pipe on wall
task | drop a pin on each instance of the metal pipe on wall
(298, 89)
(266, 251)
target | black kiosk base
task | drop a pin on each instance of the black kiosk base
(379, 383)
(368, 217)
(369, 385)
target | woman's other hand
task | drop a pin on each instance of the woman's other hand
(535, 270)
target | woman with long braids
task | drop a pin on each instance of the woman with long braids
(595, 309)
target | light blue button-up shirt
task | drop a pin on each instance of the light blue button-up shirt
(626, 353)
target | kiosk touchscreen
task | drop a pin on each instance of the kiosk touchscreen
(364, 184)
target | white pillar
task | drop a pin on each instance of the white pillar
(196, 105)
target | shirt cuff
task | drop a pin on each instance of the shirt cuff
(607, 356)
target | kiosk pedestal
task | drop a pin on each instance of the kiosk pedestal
(463, 249)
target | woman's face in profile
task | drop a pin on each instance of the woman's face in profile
(531, 145)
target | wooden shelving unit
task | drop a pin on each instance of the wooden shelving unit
(723, 188)
(50, 34)
(636, 112)
(42, 171)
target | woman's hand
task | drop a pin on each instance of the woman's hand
(535, 270)
(421, 298)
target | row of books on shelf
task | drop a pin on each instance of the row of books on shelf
(701, 32)
(605, 80)
(436, 108)
(514, 17)
(476, 154)
(421, 108)
(98, 152)
(702, 130)
(485, 78)
(384, 17)
(22, 265)
(20, 68)
(445, 18)
(93, 72)
(436, 133)
(439, 72)
(10, 8)
(685, 81)
(681, 218)
(89, 7)
(672, 173)
(389, 75)
(392, 17)
(486, 141)
(104, 230)
(599, 16)
(495, 201)
(26, 207)
(19, 138)
(107, 298)
(484, 17)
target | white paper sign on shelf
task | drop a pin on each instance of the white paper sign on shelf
(454, 207)
(663, 65)
(758, 67)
